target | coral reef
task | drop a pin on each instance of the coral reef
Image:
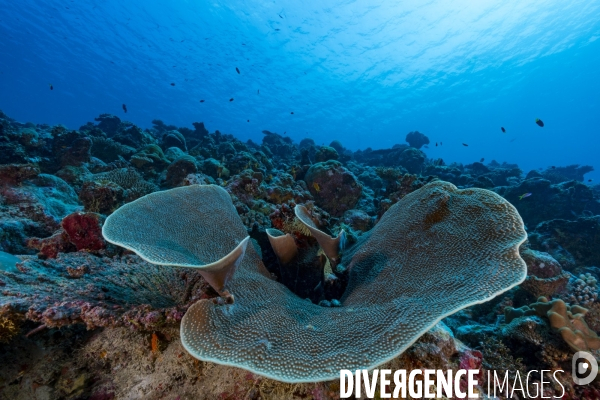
(566, 320)
(545, 276)
(333, 187)
(58, 186)
(264, 312)
(416, 139)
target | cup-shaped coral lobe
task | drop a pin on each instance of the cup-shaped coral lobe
(332, 247)
(436, 251)
(193, 226)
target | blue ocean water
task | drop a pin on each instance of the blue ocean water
(365, 73)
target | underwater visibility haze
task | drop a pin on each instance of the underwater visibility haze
(362, 72)
(238, 199)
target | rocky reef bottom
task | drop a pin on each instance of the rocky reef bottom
(81, 318)
(120, 363)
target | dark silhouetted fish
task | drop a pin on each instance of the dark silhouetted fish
(248, 121)
(426, 146)
(51, 87)
(435, 144)
(539, 122)
(292, 112)
(237, 69)
(589, 180)
(466, 145)
(553, 167)
(201, 101)
(257, 91)
(172, 84)
(503, 130)
(482, 159)
(231, 99)
(280, 16)
(124, 108)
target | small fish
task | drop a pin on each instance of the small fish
(317, 187)
(237, 69)
(172, 84)
(440, 143)
(553, 167)
(248, 121)
(521, 197)
(258, 91)
(284, 132)
(51, 87)
(231, 99)
(280, 16)
(124, 108)
(512, 140)
(589, 180)
(426, 146)
(435, 144)
(503, 130)
(466, 145)
(482, 159)
(201, 101)
(539, 122)
(292, 112)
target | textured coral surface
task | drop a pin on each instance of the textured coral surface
(104, 324)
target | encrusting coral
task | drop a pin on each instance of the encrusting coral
(467, 240)
(96, 291)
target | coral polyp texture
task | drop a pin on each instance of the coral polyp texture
(437, 250)
(177, 227)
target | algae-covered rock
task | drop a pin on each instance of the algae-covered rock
(333, 187)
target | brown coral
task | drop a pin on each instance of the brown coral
(566, 320)
(545, 276)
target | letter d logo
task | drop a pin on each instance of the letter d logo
(584, 368)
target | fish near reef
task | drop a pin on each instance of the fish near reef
(482, 159)
(521, 197)
(539, 122)
(125, 108)
(317, 187)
